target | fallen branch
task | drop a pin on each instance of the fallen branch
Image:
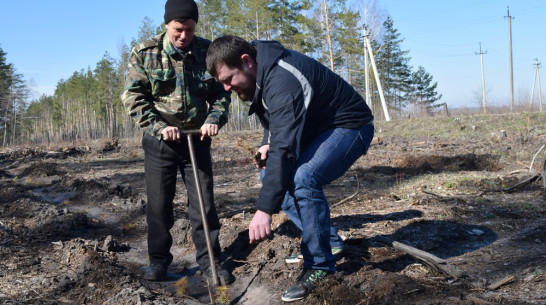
(413, 291)
(428, 258)
(528, 180)
(503, 281)
(350, 197)
(228, 214)
(509, 189)
(246, 261)
(517, 171)
(433, 194)
(523, 164)
(544, 174)
(533, 161)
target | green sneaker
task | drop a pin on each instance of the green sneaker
(296, 258)
(307, 281)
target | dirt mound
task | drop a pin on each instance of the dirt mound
(74, 232)
(11, 191)
(42, 169)
(39, 153)
(468, 162)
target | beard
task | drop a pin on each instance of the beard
(246, 94)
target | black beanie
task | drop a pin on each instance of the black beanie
(181, 9)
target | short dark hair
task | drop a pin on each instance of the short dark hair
(228, 50)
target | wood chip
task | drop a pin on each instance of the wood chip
(501, 282)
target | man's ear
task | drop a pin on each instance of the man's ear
(247, 60)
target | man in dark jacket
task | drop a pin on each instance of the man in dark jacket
(315, 127)
(167, 91)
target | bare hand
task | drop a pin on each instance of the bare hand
(260, 227)
(171, 133)
(263, 151)
(208, 130)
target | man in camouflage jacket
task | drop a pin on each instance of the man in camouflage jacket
(167, 91)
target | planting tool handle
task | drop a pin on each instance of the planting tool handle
(189, 134)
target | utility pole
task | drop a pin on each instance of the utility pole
(483, 78)
(537, 75)
(377, 80)
(367, 76)
(510, 55)
(367, 68)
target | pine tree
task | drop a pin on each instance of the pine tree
(349, 55)
(212, 18)
(423, 92)
(147, 30)
(13, 98)
(292, 26)
(106, 94)
(393, 66)
(5, 83)
(40, 124)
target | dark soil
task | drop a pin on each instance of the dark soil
(73, 231)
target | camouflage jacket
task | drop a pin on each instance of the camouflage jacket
(165, 88)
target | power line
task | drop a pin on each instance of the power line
(448, 10)
(510, 55)
(459, 25)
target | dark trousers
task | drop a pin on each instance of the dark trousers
(162, 161)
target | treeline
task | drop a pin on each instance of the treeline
(87, 105)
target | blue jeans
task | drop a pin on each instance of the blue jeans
(326, 159)
(290, 210)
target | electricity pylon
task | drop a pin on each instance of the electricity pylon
(368, 49)
(483, 78)
(537, 76)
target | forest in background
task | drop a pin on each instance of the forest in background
(87, 105)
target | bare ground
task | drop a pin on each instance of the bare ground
(72, 225)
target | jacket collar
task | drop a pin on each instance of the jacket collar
(172, 50)
(268, 54)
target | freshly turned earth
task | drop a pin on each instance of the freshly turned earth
(73, 231)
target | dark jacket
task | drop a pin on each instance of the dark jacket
(296, 99)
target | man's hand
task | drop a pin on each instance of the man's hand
(262, 154)
(171, 133)
(208, 130)
(260, 227)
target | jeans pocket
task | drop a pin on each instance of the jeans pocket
(366, 136)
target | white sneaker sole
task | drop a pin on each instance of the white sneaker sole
(285, 299)
(293, 259)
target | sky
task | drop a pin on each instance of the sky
(444, 37)
(47, 41)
